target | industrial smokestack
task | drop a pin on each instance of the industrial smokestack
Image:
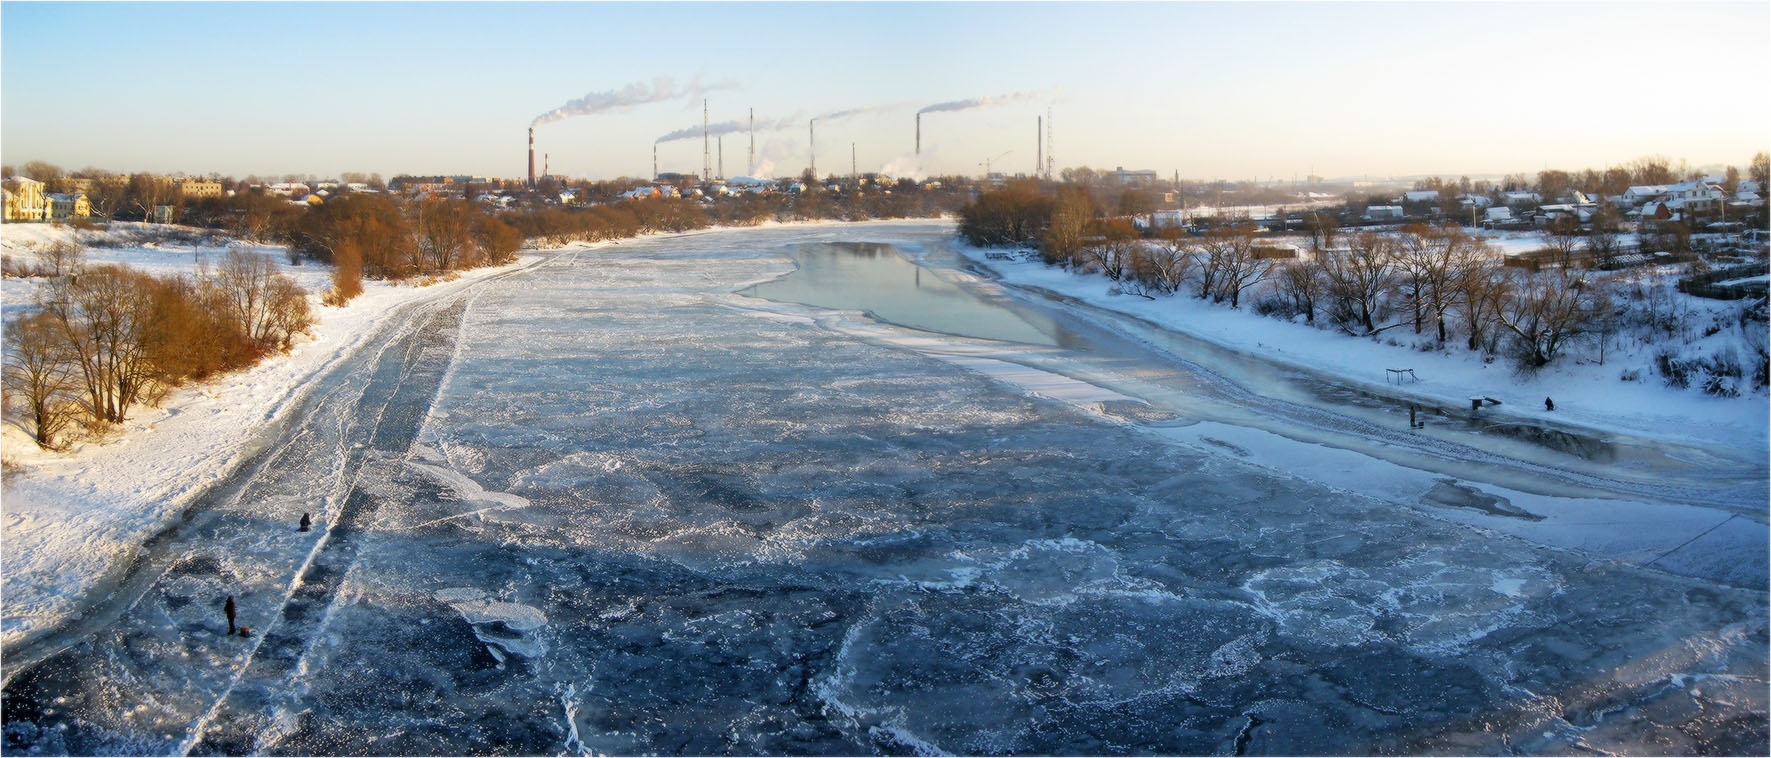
(531, 156)
(706, 156)
(1048, 144)
(852, 172)
(654, 161)
(722, 157)
(812, 127)
(750, 163)
(919, 134)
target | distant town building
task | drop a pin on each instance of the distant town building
(1384, 213)
(191, 189)
(1125, 178)
(69, 205)
(25, 200)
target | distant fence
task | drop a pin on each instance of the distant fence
(1726, 284)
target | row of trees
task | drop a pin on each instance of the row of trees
(1437, 280)
(1606, 182)
(560, 225)
(382, 237)
(103, 338)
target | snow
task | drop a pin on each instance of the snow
(1586, 393)
(759, 527)
(72, 518)
(1745, 280)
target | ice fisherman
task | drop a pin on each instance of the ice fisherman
(1548, 404)
(306, 522)
(229, 610)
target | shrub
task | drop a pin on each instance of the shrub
(1676, 371)
(347, 275)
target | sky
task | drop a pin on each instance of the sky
(1208, 90)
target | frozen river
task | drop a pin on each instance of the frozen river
(624, 502)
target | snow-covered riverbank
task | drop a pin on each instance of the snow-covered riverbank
(71, 517)
(1585, 393)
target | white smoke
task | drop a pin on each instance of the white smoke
(909, 165)
(780, 151)
(728, 127)
(637, 93)
(979, 102)
(834, 115)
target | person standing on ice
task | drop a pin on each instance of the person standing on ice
(306, 522)
(229, 610)
(1548, 404)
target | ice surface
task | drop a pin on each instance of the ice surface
(767, 535)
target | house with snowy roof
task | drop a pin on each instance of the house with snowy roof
(68, 205)
(1694, 195)
(1384, 213)
(1643, 193)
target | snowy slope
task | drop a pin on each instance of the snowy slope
(1585, 392)
(69, 517)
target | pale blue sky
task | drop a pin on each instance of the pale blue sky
(1212, 90)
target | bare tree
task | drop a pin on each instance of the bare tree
(1210, 255)
(1544, 310)
(106, 195)
(1605, 242)
(148, 192)
(1304, 284)
(42, 171)
(1431, 260)
(102, 315)
(1322, 231)
(65, 257)
(39, 376)
(1110, 247)
(1167, 260)
(1563, 236)
(1481, 289)
(445, 232)
(1241, 268)
(288, 312)
(1360, 276)
(243, 281)
(1062, 241)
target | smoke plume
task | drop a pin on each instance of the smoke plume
(979, 102)
(834, 115)
(728, 127)
(638, 93)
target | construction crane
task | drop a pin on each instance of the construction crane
(988, 161)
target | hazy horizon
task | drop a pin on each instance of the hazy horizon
(1211, 90)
